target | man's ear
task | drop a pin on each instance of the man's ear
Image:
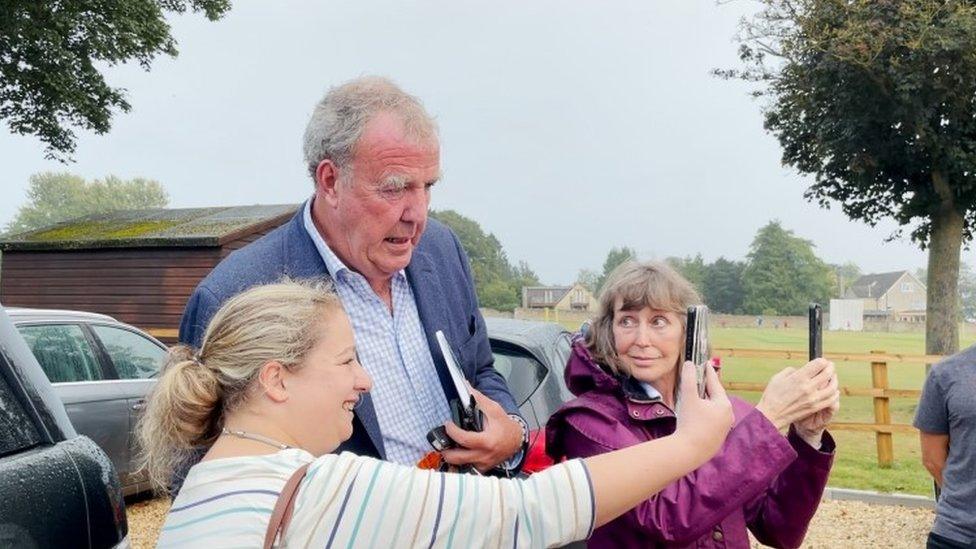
(326, 181)
(272, 381)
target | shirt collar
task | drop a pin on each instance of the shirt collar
(334, 265)
(650, 390)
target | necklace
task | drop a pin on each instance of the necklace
(255, 437)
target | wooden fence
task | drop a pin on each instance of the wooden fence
(882, 394)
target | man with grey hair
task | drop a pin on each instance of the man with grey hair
(373, 153)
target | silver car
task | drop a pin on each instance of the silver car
(102, 370)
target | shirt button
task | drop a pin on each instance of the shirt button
(717, 535)
(659, 412)
(636, 413)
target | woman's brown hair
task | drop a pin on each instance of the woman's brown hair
(635, 285)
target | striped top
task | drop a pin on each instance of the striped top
(349, 501)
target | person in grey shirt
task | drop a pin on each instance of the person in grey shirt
(946, 419)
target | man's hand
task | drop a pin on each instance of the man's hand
(500, 439)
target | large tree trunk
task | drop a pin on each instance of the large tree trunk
(945, 242)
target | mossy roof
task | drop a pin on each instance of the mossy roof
(153, 228)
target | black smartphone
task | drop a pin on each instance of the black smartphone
(696, 343)
(464, 410)
(816, 331)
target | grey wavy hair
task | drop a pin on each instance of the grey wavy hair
(339, 118)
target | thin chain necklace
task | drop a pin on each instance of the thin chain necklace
(255, 437)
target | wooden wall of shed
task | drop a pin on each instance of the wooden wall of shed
(145, 287)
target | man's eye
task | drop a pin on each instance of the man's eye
(392, 191)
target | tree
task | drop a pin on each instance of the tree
(522, 275)
(497, 282)
(967, 289)
(783, 275)
(967, 292)
(692, 268)
(722, 286)
(52, 55)
(615, 257)
(844, 276)
(876, 101)
(54, 197)
(589, 279)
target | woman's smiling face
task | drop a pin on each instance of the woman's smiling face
(325, 389)
(648, 343)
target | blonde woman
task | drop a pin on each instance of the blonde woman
(272, 388)
(625, 374)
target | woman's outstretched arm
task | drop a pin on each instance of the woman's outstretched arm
(624, 478)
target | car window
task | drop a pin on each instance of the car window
(17, 431)
(522, 372)
(63, 351)
(134, 356)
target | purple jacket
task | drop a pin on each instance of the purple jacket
(759, 479)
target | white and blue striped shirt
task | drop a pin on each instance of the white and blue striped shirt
(347, 501)
(407, 393)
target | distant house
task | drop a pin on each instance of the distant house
(898, 296)
(563, 298)
(139, 266)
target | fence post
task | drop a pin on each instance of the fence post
(882, 413)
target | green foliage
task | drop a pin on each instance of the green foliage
(692, 268)
(497, 282)
(55, 197)
(589, 279)
(967, 292)
(783, 275)
(845, 275)
(721, 286)
(875, 99)
(52, 55)
(615, 257)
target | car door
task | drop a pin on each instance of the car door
(42, 503)
(136, 360)
(95, 403)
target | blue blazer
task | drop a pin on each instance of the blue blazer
(438, 274)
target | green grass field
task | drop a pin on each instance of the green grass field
(856, 463)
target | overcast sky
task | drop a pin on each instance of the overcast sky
(566, 127)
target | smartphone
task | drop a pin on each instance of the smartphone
(696, 343)
(816, 331)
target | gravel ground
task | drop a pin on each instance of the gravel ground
(838, 524)
(859, 525)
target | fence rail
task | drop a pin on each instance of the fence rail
(882, 427)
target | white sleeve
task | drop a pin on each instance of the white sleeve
(375, 503)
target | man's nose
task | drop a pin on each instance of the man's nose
(417, 202)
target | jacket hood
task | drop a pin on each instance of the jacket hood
(583, 374)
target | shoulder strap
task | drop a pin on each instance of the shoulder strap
(281, 515)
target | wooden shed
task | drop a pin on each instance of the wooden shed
(138, 266)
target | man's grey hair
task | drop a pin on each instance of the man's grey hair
(340, 117)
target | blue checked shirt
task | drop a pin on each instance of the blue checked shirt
(393, 349)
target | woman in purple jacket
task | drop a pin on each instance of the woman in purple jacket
(625, 374)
